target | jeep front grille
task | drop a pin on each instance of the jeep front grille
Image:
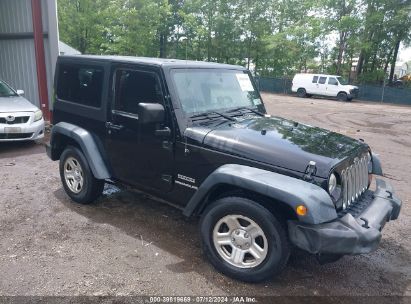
(354, 181)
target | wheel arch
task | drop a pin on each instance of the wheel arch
(275, 191)
(64, 134)
(278, 208)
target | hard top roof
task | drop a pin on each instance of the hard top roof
(162, 62)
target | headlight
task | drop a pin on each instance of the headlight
(334, 188)
(38, 115)
(332, 183)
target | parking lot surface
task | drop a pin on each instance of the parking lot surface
(129, 244)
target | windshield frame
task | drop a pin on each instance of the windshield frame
(9, 87)
(177, 101)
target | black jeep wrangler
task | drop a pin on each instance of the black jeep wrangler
(197, 135)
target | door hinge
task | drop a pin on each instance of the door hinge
(168, 145)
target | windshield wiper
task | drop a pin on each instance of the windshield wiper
(207, 115)
(246, 108)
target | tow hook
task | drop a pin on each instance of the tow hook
(365, 225)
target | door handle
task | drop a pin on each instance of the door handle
(111, 126)
(166, 132)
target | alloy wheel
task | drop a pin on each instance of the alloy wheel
(240, 241)
(73, 175)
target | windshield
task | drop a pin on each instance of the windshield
(342, 80)
(205, 90)
(6, 91)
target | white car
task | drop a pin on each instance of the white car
(306, 85)
(19, 119)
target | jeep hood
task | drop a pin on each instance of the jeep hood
(16, 104)
(278, 142)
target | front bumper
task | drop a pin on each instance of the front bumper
(31, 130)
(354, 232)
(353, 94)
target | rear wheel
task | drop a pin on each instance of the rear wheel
(244, 240)
(77, 178)
(301, 93)
(342, 96)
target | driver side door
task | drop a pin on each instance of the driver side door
(332, 86)
(138, 153)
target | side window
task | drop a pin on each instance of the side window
(332, 81)
(322, 80)
(315, 79)
(134, 87)
(80, 84)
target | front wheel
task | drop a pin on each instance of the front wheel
(342, 96)
(301, 93)
(77, 178)
(243, 240)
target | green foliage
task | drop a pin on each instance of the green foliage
(273, 37)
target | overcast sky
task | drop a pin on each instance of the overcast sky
(405, 54)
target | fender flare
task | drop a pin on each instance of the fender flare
(289, 190)
(376, 165)
(87, 144)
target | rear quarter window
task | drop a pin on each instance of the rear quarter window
(80, 84)
(315, 79)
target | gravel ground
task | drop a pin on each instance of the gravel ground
(128, 244)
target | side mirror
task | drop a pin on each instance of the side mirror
(150, 113)
(20, 92)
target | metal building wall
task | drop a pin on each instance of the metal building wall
(17, 52)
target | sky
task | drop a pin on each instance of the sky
(405, 54)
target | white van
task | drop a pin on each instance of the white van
(306, 85)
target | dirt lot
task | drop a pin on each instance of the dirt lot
(128, 244)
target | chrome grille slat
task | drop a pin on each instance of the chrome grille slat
(344, 188)
(354, 181)
(362, 175)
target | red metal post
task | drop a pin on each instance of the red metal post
(40, 58)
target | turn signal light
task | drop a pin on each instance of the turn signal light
(301, 210)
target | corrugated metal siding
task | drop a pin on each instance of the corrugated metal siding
(15, 16)
(17, 56)
(18, 67)
(44, 15)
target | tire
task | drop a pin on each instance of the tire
(342, 96)
(301, 93)
(269, 239)
(74, 169)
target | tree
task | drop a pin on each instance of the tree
(276, 37)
